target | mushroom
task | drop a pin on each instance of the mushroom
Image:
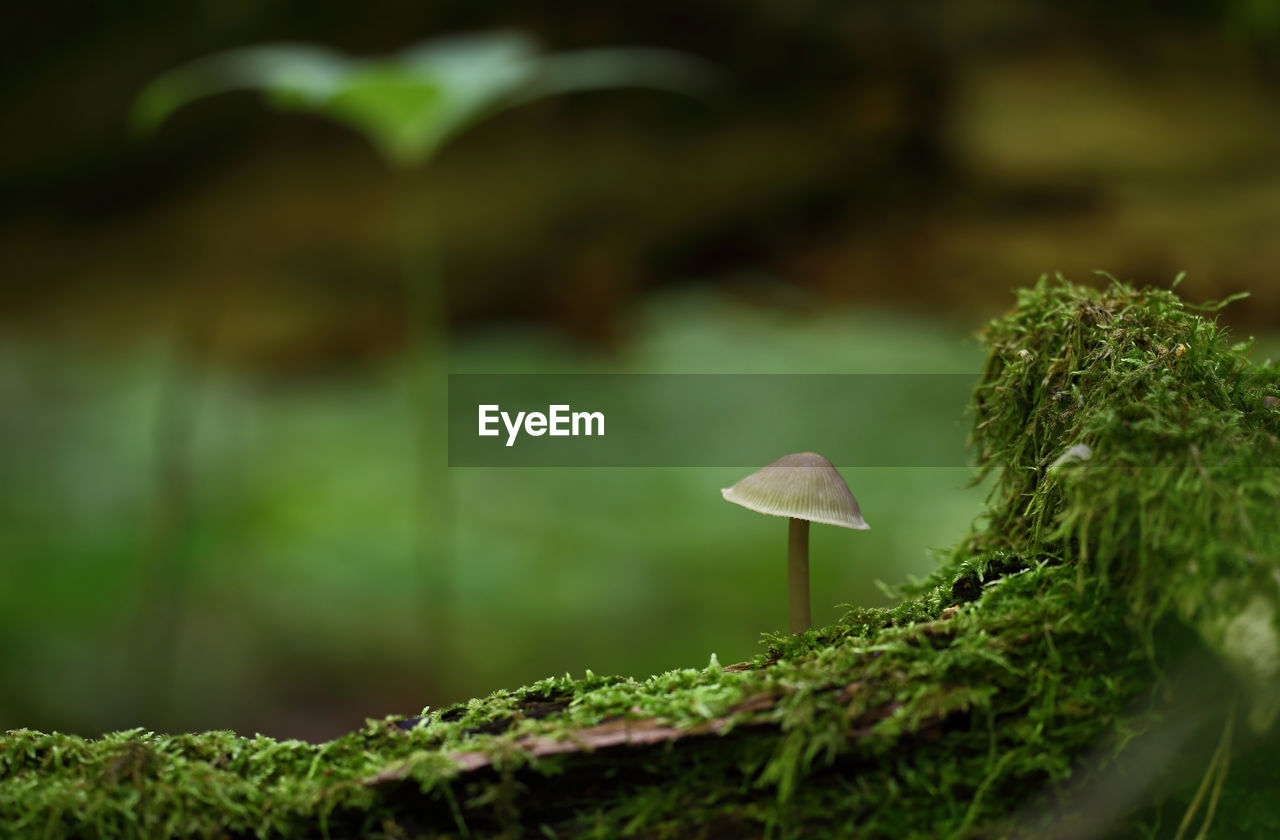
(806, 488)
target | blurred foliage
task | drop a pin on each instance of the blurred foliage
(925, 153)
(305, 615)
(241, 272)
(409, 103)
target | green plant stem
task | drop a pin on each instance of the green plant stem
(427, 350)
(798, 574)
(163, 583)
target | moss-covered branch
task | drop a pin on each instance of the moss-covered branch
(1130, 546)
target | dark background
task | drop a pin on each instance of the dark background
(211, 509)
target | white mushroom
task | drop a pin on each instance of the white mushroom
(804, 487)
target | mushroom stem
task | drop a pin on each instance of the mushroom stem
(798, 574)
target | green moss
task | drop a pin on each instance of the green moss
(1043, 653)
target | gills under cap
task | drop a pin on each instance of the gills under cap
(800, 486)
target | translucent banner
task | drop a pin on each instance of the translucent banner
(698, 420)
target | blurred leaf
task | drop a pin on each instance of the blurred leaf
(301, 75)
(410, 103)
(399, 113)
(624, 67)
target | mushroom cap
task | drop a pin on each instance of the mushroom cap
(800, 486)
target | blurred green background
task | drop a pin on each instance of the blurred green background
(217, 505)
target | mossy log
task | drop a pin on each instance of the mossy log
(1099, 656)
